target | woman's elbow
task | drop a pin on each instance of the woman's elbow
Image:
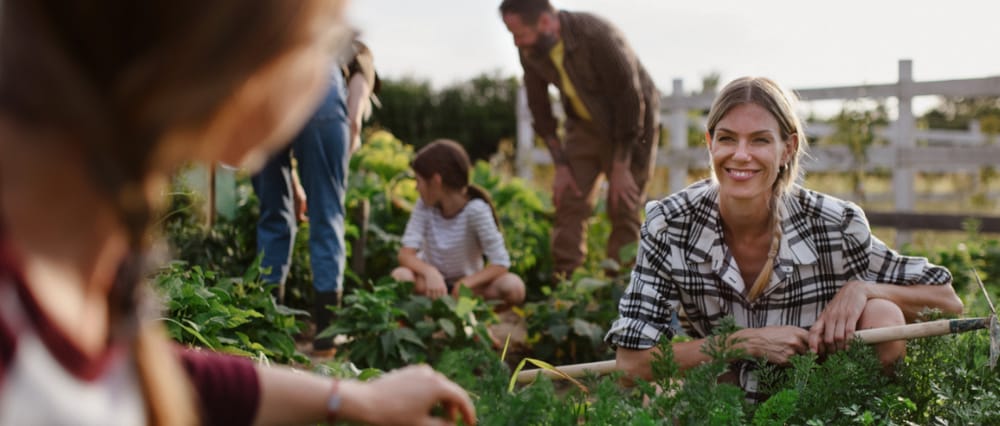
(954, 305)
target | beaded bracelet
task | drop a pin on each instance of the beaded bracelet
(333, 402)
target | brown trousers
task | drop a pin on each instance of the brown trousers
(590, 157)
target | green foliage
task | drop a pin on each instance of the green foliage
(389, 326)
(568, 326)
(856, 128)
(943, 380)
(477, 113)
(380, 177)
(230, 245)
(524, 220)
(976, 253)
(958, 113)
(234, 315)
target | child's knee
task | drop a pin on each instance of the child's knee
(402, 274)
(512, 288)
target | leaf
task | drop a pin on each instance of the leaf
(447, 326)
(546, 366)
(369, 373)
(588, 329)
(465, 306)
(559, 332)
(285, 310)
(193, 332)
(590, 284)
(407, 335)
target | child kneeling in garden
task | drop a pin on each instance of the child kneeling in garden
(452, 227)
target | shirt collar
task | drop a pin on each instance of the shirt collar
(705, 240)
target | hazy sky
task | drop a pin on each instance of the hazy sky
(799, 43)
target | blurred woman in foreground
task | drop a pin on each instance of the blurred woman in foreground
(100, 102)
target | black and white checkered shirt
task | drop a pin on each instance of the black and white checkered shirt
(684, 265)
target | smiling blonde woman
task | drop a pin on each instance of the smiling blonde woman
(798, 270)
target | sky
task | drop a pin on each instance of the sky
(801, 44)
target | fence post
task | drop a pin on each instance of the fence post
(525, 136)
(678, 138)
(902, 177)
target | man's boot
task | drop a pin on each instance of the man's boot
(324, 317)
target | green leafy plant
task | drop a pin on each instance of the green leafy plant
(569, 325)
(389, 326)
(236, 315)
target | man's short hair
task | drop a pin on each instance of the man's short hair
(528, 10)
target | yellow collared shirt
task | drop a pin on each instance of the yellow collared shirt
(558, 54)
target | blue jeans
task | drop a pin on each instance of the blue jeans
(321, 149)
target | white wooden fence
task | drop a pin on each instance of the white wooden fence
(961, 150)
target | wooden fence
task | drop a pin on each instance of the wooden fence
(937, 150)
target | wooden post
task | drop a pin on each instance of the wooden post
(678, 138)
(902, 176)
(525, 137)
(210, 201)
(361, 214)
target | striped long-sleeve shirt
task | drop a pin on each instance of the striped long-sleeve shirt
(456, 245)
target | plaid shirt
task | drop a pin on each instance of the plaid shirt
(684, 264)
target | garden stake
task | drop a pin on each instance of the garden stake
(869, 336)
(994, 326)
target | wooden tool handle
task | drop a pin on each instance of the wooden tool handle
(572, 370)
(921, 329)
(870, 336)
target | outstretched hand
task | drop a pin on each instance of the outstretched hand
(838, 321)
(406, 397)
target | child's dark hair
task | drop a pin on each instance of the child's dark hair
(448, 159)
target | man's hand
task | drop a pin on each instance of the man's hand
(776, 343)
(563, 182)
(622, 190)
(837, 322)
(299, 200)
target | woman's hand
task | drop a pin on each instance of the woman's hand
(406, 397)
(776, 343)
(837, 322)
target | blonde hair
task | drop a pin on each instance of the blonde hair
(767, 94)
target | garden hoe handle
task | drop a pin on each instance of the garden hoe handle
(922, 329)
(572, 370)
(869, 336)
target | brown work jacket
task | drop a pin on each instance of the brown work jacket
(607, 75)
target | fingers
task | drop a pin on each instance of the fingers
(814, 336)
(456, 400)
